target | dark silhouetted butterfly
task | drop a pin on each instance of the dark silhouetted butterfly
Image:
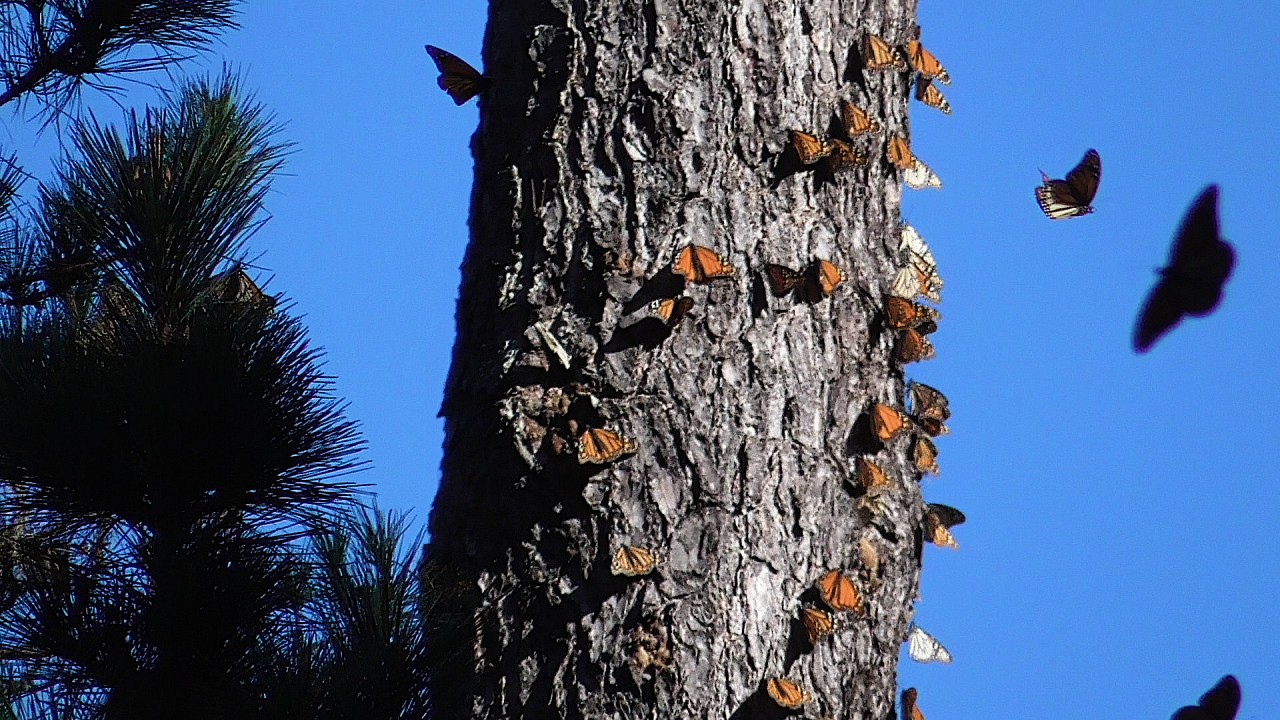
(929, 408)
(1061, 199)
(1220, 703)
(457, 78)
(700, 264)
(819, 280)
(1191, 284)
(910, 711)
(844, 157)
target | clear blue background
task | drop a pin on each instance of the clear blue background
(1118, 556)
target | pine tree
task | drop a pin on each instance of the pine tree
(612, 137)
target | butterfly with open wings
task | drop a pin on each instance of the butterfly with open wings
(1062, 199)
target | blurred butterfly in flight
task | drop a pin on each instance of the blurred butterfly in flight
(1191, 284)
(457, 77)
(1220, 703)
(1062, 199)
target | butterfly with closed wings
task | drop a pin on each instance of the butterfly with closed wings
(910, 711)
(1192, 282)
(457, 78)
(924, 648)
(1062, 199)
(1221, 702)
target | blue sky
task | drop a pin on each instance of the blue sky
(1116, 560)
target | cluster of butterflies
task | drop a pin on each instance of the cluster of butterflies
(842, 155)
(1200, 261)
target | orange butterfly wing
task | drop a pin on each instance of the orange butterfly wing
(910, 711)
(886, 422)
(457, 77)
(633, 561)
(817, 624)
(929, 94)
(810, 148)
(786, 693)
(700, 264)
(913, 347)
(925, 454)
(838, 592)
(855, 121)
(899, 153)
(869, 474)
(828, 276)
(879, 55)
(599, 446)
(671, 310)
(926, 63)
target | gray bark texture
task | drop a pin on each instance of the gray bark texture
(615, 133)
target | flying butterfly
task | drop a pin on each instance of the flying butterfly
(1061, 199)
(787, 694)
(886, 422)
(1191, 284)
(870, 476)
(880, 55)
(844, 157)
(457, 77)
(925, 455)
(910, 711)
(930, 409)
(928, 93)
(923, 648)
(633, 561)
(902, 313)
(838, 592)
(810, 148)
(1221, 702)
(926, 63)
(855, 121)
(671, 310)
(700, 264)
(817, 624)
(913, 347)
(600, 446)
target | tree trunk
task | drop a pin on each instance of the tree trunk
(614, 134)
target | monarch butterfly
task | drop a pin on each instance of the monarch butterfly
(457, 78)
(924, 648)
(810, 148)
(886, 422)
(903, 313)
(817, 624)
(786, 693)
(929, 408)
(938, 531)
(235, 286)
(910, 282)
(926, 63)
(600, 446)
(945, 514)
(855, 121)
(818, 281)
(899, 153)
(921, 177)
(633, 561)
(925, 455)
(844, 157)
(700, 264)
(1191, 284)
(1061, 199)
(869, 474)
(671, 310)
(914, 251)
(913, 347)
(1221, 702)
(870, 556)
(910, 711)
(880, 55)
(839, 593)
(928, 93)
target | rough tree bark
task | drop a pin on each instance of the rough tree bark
(615, 133)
